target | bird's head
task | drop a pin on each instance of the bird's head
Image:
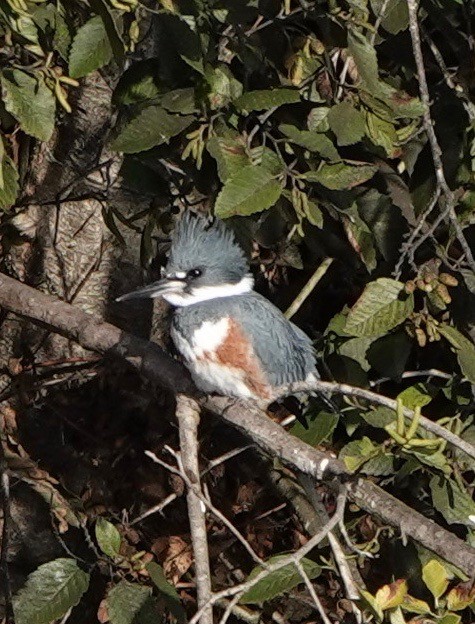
(205, 262)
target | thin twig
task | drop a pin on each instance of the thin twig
(429, 127)
(430, 372)
(5, 493)
(346, 390)
(308, 288)
(214, 510)
(312, 592)
(156, 509)
(239, 590)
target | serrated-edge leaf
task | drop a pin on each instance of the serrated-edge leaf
(266, 99)
(365, 58)
(154, 126)
(253, 189)
(340, 176)
(382, 306)
(90, 48)
(312, 141)
(282, 580)
(108, 537)
(229, 154)
(50, 591)
(347, 123)
(31, 102)
(125, 600)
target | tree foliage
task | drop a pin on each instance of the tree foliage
(302, 123)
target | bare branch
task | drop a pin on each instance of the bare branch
(429, 127)
(188, 416)
(161, 369)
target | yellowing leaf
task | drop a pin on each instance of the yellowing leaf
(435, 577)
(461, 597)
(392, 595)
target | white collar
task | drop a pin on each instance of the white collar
(205, 293)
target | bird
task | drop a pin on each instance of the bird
(234, 341)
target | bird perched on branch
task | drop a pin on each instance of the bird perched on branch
(234, 341)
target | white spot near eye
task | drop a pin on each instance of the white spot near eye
(180, 274)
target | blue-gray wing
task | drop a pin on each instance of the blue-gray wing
(285, 351)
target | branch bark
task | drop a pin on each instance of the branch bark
(188, 416)
(154, 363)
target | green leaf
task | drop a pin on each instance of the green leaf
(418, 395)
(340, 176)
(90, 49)
(320, 426)
(383, 305)
(125, 601)
(381, 465)
(356, 348)
(464, 348)
(223, 86)
(50, 591)
(382, 133)
(30, 101)
(450, 618)
(347, 123)
(167, 590)
(366, 61)
(317, 120)
(435, 577)
(152, 127)
(9, 192)
(229, 153)
(379, 417)
(180, 101)
(415, 605)
(456, 505)
(108, 537)
(278, 582)
(252, 189)
(266, 99)
(357, 452)
(395, 16)
(312, 141)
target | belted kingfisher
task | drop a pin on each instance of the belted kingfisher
(234, 341)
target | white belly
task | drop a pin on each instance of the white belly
(208, 374)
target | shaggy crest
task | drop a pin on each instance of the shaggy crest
(204, 243)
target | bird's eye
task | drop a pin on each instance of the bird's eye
(193, 273)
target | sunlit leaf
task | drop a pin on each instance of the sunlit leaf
(50, 591)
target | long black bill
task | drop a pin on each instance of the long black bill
(157, 289)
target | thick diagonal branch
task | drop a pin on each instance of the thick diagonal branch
(149, 359)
